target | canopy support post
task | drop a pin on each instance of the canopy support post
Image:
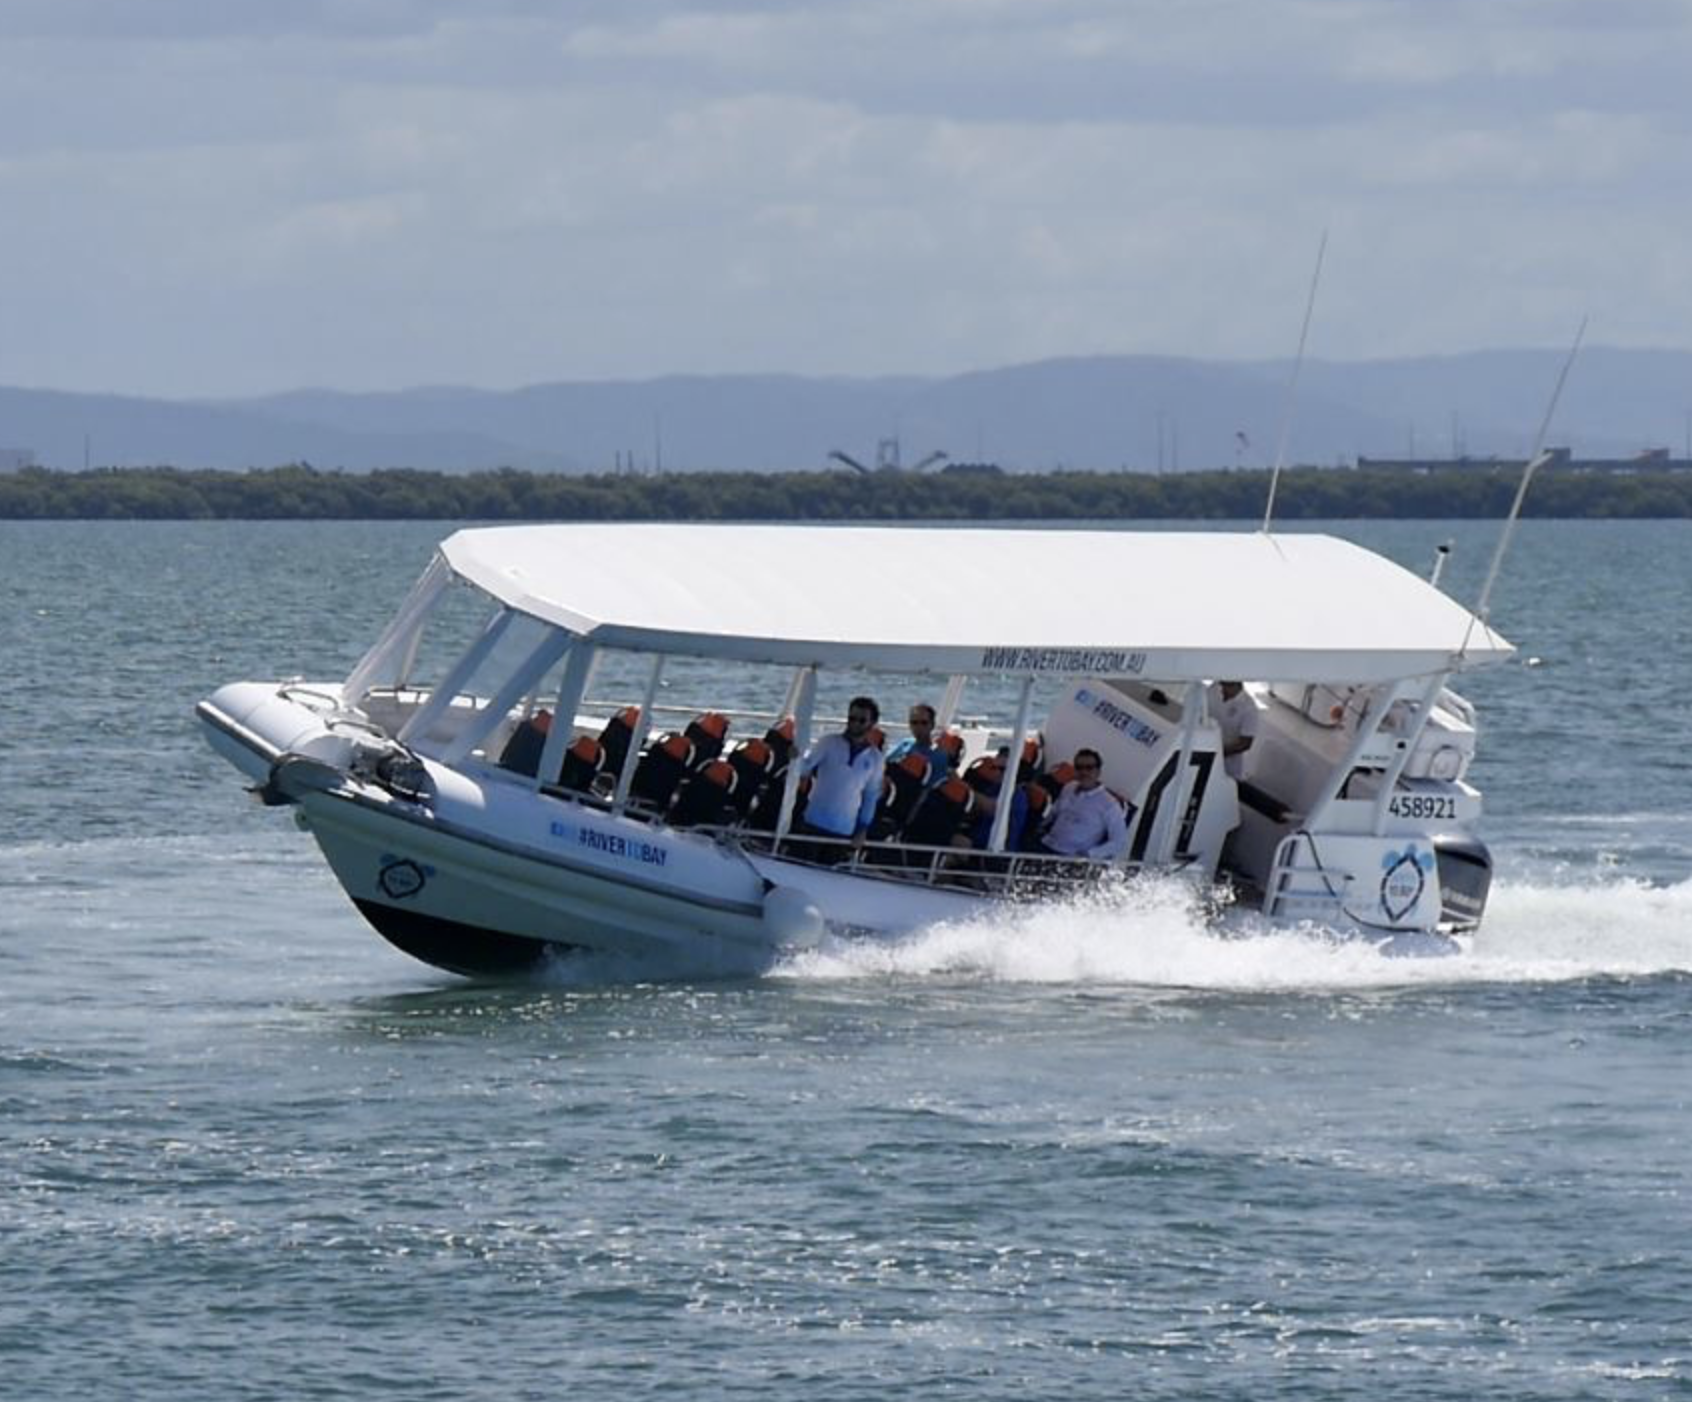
(802, 711)
(578, 669)
(637, 741)
(790, 703)
(1379, 704)
(534, 667)
(1406, 747)
(949, 703)
(1172, 813)
(1013, 767)
(417, 727)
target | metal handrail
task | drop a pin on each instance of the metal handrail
(888, 859)
(968, 868)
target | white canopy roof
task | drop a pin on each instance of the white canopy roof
(1168, 606)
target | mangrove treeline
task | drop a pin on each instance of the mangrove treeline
(306, 493)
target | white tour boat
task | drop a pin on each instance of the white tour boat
(477, 832)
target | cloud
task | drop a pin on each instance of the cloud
(244, 196)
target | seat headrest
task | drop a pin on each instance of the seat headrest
(914, 764)
(713, 723)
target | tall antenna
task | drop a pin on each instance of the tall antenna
(1292, 385)
(1539, 458)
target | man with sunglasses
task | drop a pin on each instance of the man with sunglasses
(846, 784)
(1086, 820)
(921, 742)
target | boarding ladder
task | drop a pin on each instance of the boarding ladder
(1300, 887)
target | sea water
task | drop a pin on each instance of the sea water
(248, 1151)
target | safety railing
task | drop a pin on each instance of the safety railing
(1300, 887)
(1020, 875)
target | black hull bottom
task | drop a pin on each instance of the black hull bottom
(459, 949)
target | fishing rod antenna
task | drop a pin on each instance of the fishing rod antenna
(1540, 456)
(1292, 386)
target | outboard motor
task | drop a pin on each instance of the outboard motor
(1465, 879)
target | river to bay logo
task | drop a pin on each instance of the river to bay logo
(401, 877)
(1404, 876)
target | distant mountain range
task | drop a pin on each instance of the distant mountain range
(1099, 412)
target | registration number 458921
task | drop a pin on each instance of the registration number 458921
(1422, 806)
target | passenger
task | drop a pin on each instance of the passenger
(1036, 799)
(1087, 820)
(846, 787)
(922, 742)
(988, 773)
(1236, 712)
(1033, 754)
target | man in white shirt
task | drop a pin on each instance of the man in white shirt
(846, 786)
(1237, 715)
(1086, 820)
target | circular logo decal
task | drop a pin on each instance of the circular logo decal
(1403, 880)
(401, 877)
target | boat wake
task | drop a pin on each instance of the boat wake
(1158, 935)
(1551, 924)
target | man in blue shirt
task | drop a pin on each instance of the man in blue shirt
(921, 742)
(846, 783)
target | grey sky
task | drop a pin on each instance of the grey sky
(212, 197)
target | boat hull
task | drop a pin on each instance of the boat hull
(471, 950)
(473, 870)
(472, 901)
